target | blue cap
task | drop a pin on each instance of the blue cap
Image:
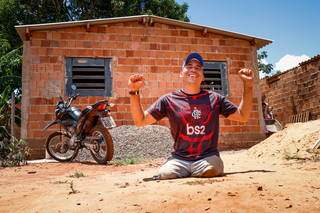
(191, 56)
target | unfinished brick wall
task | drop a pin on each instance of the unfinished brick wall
(295, 91)
(157, 51)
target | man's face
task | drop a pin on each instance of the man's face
(192, 73)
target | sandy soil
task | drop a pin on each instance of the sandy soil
(248, 186)
(280, 174)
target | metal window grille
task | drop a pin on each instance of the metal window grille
(92, 76)
(215, 74)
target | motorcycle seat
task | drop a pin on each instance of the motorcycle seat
(86, 110)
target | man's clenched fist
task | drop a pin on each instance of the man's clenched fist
(246, 76)
(136, 81)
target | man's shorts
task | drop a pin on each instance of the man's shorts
(207, 167)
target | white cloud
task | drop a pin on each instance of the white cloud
(264, 61)
(262, 74)
(290, 61)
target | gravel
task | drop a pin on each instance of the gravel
(129, 141)
(147, 142)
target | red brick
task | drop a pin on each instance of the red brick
(45, 43)
(119, 53)
(35, 42)
(35, 125)
(35, 117)
(222, 42)
(106, 53)
(54, 43)
(68, 36)
(53, 59)
(101, 29)
(129, 53)
(39, 35)
(35, 109)
(129, 61)
(154, 46)
(84, 100)
(184, 33)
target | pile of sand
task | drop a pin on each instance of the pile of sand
(293, 142)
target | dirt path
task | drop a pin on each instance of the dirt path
(248, 186)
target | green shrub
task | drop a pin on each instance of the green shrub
(127, 161)
(77, 174)
(12, 152)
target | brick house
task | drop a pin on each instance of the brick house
(55, 54)
(294, 91)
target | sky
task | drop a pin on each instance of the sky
(292, 25)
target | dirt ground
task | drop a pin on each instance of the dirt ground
(280, 174)
(248, 186)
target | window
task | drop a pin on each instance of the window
(92, 76)
(215, 75)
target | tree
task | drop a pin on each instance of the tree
(10, 66)
(17, 12)
(86, 9)
(264, 68)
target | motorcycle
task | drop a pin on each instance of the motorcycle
(81, 129)
(272, 125)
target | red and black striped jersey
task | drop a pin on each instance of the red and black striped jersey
(194, 121)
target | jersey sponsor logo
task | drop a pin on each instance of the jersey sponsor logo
(196, 114)
(196, 130)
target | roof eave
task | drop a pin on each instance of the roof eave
(261, 42)
(25, 29)
(21, 29)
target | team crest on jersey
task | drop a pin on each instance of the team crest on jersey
(196, 114)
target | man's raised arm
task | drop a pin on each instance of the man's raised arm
(244, 109)
(140, 117)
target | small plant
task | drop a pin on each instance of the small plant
(77, 174)
(203, 182)
(73, 190)
(127, 161)
(61, 182)
(13, 152)
(300, 158)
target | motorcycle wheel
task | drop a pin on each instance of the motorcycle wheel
(58, 147)
(102, 151)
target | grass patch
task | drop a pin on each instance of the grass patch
(203, 181)
(71, 186)
(314, 158)
(127, 161)
(73, 190)
(13, 151)
(77, 174)
(293, 157)
(61, 182)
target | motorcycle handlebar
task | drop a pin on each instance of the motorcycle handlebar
(74, 97)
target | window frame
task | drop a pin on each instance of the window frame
(223, 69)
(72, 62)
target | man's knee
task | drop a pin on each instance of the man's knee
(173, 169)
(210, 171)
(163, 175)
(208, 167)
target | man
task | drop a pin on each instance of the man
(193, 114)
